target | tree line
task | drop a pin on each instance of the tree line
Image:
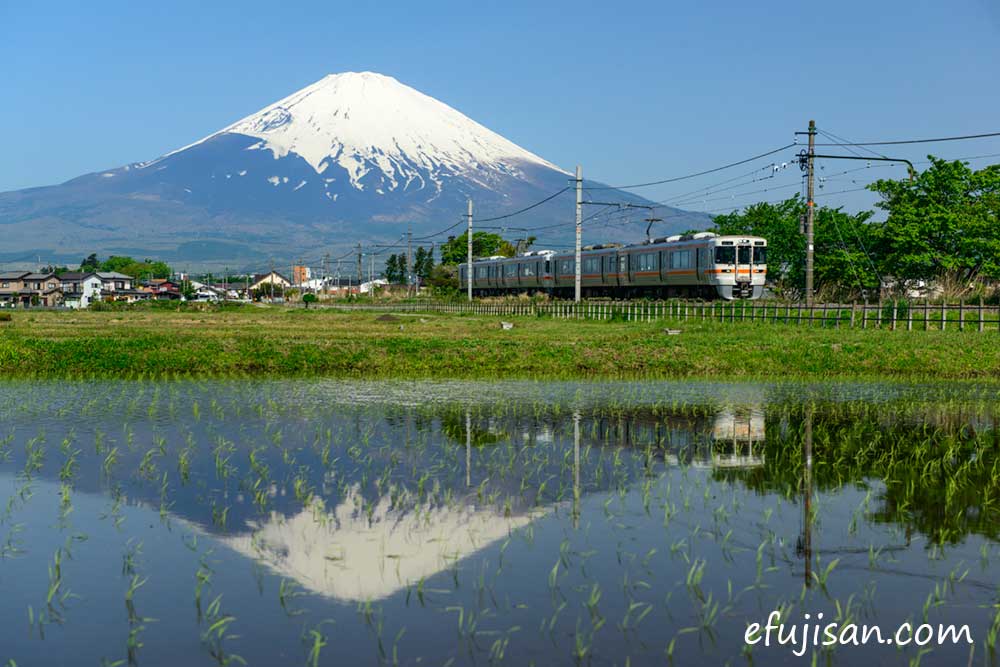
(941, 227)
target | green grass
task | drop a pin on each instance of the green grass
(285, 342)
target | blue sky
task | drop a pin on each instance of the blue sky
(633, 91)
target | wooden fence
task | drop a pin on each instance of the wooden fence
(892, 314)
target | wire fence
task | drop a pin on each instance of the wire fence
(897, 314)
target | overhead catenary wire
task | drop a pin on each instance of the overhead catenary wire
(901, 142)
(694, 175)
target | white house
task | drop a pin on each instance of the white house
(80, 289)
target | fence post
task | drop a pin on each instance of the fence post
(961, 315)
(927, 314)
(980, 314)
(864, 314)
(909, 316)
(854, 305)
(893, 315)
(944, 315)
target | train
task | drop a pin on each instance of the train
(703, 265)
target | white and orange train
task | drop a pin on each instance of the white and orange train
(701, 265)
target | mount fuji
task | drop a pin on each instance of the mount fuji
(354, 157)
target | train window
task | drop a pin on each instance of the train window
(528, 269)
(592, 265)
(548, 267)
(647, 262)
(725, 255)
(566, 267)
(744, 254)
(510, 270)
(680, 259)
(760, 255)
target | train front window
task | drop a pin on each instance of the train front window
(725, 255)
(744, 254)
(760, 255)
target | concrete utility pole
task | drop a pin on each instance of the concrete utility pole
(810, 208)
(409, 260)
(579, 230)
(361, 276)
(468, 268)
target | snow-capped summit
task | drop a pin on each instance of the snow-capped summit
(364, 122)
(353, 157)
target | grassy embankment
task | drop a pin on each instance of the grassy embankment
(282, 342)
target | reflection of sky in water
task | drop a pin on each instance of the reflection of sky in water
(474, 494)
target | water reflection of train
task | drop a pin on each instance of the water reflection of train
(730, 437)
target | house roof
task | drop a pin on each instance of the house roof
(263, 276)
(76, 275)
(113, 275)
(39, 276)
(13, 275)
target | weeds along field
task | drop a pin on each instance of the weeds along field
(287, 342)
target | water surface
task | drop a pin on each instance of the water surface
(437, 523)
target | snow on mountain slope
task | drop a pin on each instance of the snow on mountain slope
(365, 121)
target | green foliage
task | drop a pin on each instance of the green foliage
(423, 263)
(443, 280)
(309, 298)
(946, 221)
(144, 269)
(842, 243)
(395, 269)
(484, 244)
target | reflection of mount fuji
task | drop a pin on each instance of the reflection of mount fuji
(361, 551)
(350, 554)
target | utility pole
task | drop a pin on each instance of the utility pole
(810, 208)
(326, 273)
(409, 260)
(468, 268)
(579, 230)
(360, 275)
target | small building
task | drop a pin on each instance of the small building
(120, 287)
(267, 279)
(80, 289)
(26, 289)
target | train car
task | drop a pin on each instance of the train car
(702, 265)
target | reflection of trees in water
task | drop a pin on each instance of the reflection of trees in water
(941, 474)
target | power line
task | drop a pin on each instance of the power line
(523, 210)
(916, 141)
(700, 173)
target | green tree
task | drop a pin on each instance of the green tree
(423, 263)
(90, 263)
(394, 270)
(843, 243)
(946, 221)
(309, 298)
(484, 244)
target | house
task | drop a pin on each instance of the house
(273, 278)
(80, 289)
(162, 289)
(119, 287)
(23, 288)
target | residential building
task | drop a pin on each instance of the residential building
(23, 288)
(80, 289)
(272, 278)
(119, 287)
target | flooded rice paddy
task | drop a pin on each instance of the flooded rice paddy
(352, 523)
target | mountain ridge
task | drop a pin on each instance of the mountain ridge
(352, 157)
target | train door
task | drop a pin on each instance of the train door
(743, 259)
(702, 261)
(623, 269)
